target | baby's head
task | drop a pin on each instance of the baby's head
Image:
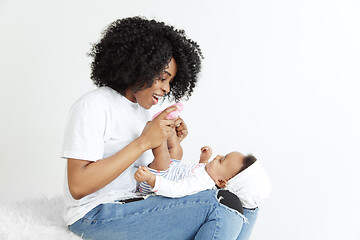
(222, 168)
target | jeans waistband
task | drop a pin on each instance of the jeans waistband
(129, 200)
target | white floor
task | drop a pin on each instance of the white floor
(39, 218)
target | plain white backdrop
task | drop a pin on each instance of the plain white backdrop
(280, 80)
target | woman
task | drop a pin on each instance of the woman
(136, 64)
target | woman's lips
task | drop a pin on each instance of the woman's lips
(155, 99)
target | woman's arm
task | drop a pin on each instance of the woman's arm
(86, 177)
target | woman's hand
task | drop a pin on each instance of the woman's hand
(181, 129)
(158, 130)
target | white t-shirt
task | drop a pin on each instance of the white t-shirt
(100, 124)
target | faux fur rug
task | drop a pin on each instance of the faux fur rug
(34, 219)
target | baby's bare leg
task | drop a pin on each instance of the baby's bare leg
(161, 160)
(174, 147)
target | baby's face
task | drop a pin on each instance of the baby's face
(225, 167)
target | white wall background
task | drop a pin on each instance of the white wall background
(280, 80)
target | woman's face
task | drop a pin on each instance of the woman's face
(150, 96)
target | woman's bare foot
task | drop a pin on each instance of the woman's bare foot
(205, 155)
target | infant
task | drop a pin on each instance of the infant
(241, 174)
(180, 180)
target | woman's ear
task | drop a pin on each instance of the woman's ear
(221, 183)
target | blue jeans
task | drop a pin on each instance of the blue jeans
(197, 216)
(251, 215)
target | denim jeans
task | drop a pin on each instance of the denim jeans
(251, 216)
(197, 216)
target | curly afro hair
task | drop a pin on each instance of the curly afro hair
(135, 51)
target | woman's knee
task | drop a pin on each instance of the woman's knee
(222, 223)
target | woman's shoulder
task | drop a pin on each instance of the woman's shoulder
(94, 101)
(100, 93)
(109, 100)
(102, 96)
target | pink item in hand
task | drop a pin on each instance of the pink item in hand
(173, 114)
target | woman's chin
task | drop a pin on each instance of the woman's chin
(145, 105)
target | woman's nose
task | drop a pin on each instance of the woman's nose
(166, 86)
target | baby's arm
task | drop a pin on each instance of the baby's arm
(206, 153)
(143, 174)
(189, 185)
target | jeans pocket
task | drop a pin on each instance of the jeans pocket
(231, 202)
(90, 216)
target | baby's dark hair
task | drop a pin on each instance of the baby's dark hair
(248, 161)
(133, 52)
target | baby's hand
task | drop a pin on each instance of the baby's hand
(143, 174)
(206, 153)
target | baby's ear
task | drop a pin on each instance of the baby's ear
(221, 183)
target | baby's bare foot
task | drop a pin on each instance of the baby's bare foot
(205, 155)
(173, 141)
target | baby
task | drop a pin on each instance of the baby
(168, 177)
(243, 177)
(180, 180)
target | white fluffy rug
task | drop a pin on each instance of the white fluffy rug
(34, 219)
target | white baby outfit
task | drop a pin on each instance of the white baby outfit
(252, 185)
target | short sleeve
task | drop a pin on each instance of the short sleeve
(85, 130)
